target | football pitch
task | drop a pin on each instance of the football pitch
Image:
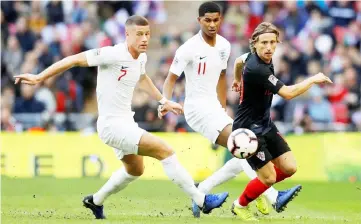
(49, 200)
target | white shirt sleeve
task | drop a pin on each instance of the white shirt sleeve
(101, 56)
(143, 62)
(226, 56)
(180, 61)
(244, 57)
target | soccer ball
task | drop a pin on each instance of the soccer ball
(242, 143)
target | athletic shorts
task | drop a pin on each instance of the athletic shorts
(270, 146)
(120, 133)
(208, 121)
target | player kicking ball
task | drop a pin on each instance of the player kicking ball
(273, 160)
(203, 58)
(120, 68)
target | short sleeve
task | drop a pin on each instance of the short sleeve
(180, 61)
(272, 83)
(225, 56)
(143, 62)
(101, 56)
(244, 57)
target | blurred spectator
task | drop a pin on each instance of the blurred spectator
(13, 56)
(55, 12)
(9, 10)
(317, 36)
(4, 30)
(25, 36)
(342, 12)
(292, 19)
(45, 96)
(37, 20)
(79, 13)
(8, 122)
(319, 108)
(27, 103)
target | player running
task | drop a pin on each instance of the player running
(203, 59)
(120, 68)
(273, 160)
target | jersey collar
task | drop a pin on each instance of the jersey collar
(127, 51)
(202, 39)
(261, 61)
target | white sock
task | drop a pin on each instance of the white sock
(118, 181)
(176, 172)
(237, 204)
(248, 169)
(229, 171)
(270, 193)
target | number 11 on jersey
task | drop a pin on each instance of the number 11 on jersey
(202, 68)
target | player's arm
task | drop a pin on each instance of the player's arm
(180, 61)
(290, 92)
(147, 84)
(56, 68)
(222, 81)
(237, 70)
(222, 89)
(89, 58)
(169, 84)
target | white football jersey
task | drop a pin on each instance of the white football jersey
(202, 65)
(118, 74)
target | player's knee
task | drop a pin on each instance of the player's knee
(163, 153)
(235, 166)
(136, 170)
(269, 180)
(290, 170)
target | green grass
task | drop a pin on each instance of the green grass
(49, 200)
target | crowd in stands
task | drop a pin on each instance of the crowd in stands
(319, 36)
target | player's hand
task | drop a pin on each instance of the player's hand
(169, 106)
(320, 78)
(29, 79)
(161, 112)
(236, 86)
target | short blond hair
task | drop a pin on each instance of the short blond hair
(262, 28)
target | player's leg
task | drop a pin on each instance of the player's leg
(284, 165)
(271, 193)
(283, 158)
(266, 178)
(152, 146)
(123, 135)
(231, 169)
(132, 169)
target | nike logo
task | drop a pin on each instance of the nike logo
(124, 67)
(202, 57)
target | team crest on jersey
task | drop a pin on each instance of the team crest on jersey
(261, 156)
(222, 54)
(273, 79)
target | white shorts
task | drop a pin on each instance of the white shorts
(208, 121)
(120, 133)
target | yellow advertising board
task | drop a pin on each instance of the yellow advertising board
(73, 155)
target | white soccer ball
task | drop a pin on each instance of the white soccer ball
(242, 143)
